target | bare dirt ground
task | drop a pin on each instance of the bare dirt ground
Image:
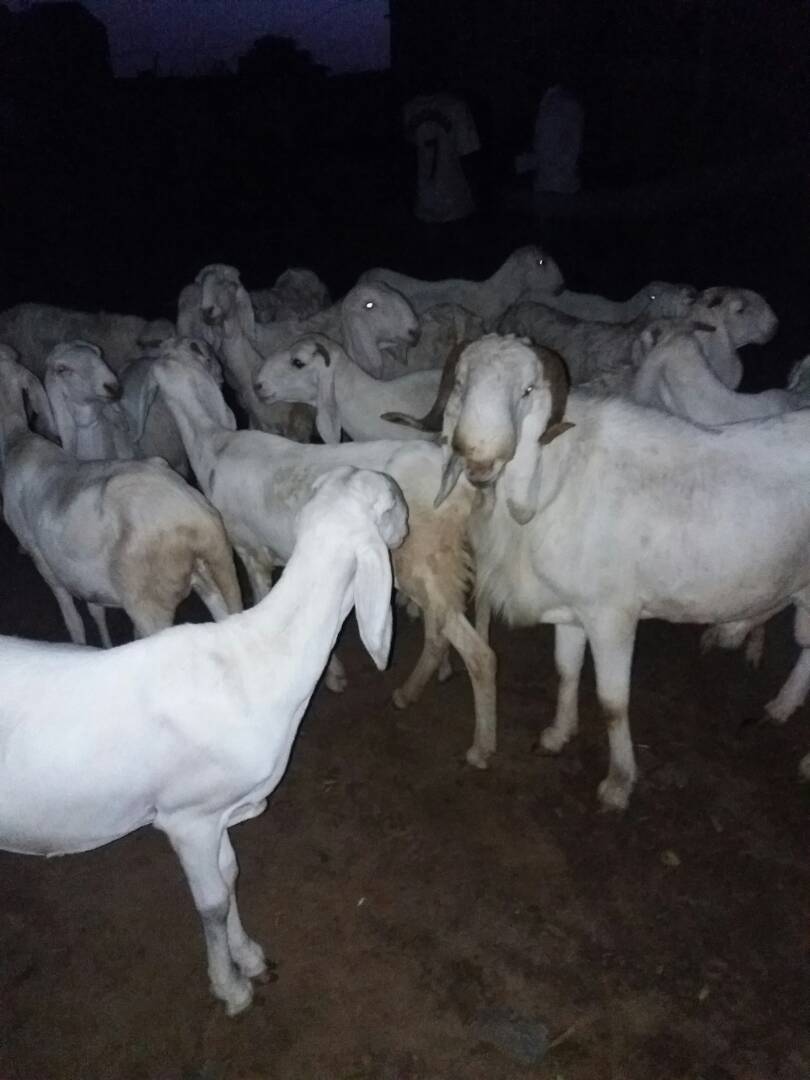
(407, 898)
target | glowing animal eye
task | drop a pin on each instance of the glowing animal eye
(297, 362)
(652, 295)
(540, 260)
(369, 305)
(527, 391)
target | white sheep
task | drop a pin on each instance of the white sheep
(658, 299)
(631, 514)
(258, 481)
(675, 374)
(316, 370)
(371, 322)
(151, 424)
(85, 400)
(600, 354)
(191, 730)
(113, 533)
(297, 293)
(33, 330)
(528, 273)
(747, 315)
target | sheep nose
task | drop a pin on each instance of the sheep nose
(113, 391)
(413, 336)
(480, 473)
(209, 315)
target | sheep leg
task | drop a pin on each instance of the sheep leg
(67, 605)
(336, 680)
(99, 615)
(483, 614)
(611, 643)
(149, 619)
(198, 846)
(569, 654)
(433, 650)
(795, 690)
(481, 665)
(260, 574)
(247, 954)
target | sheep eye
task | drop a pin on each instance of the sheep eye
(527, 391)
(540, 260)
(297, 362)
(369, 305)
(62, 370)
(652, 295)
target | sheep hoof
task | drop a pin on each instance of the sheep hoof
(553, 740)
(240, 998)
(478, 758)
(777, 712)
(399, 699)
(614, 794)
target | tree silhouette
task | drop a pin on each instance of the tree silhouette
(281, 62)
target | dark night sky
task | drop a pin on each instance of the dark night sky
(347, 35)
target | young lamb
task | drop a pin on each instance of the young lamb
(631, 514)
(33, 330)
(317, 371)
(191, 730)
(528, 273)
(85, 401)
(114, 533)
(258, 481)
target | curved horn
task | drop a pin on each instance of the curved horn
(559, 383)
(432, 421)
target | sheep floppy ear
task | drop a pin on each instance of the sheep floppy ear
(210, 397)
(245, 312)
(542, 423)
(523, 474)
(372, 599)
(141, 391)
(327, 420)
(54, 417)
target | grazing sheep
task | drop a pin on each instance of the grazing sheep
(191, 730)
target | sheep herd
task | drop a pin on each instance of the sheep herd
(565, 458)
